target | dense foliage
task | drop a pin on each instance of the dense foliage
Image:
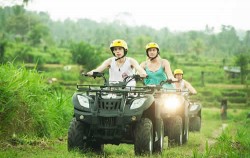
(28, 104)
(20, 30)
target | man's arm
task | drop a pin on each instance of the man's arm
(142, 65)
(102, 67)
(190, 87)
(138, 68)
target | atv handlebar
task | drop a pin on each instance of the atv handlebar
(95, 74)
(125, 81)
(169, 81)
(136, 77)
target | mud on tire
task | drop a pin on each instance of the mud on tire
(144, 137)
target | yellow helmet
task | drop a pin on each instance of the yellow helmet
(152, 45)
(119, 43)
(178, 71)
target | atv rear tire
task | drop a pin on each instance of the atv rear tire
(175, 131)
(144, 137)
(76, 135)
(158, 145)
(195, 123)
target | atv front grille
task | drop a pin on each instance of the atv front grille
(107, 122)
(106, 128)
(109, 104)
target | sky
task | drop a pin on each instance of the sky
(176, 15)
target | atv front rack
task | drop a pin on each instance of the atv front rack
(159, 91)
(115, 89)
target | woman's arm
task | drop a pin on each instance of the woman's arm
(168, 70)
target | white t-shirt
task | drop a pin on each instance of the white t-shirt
(182, 86)
(118, 74)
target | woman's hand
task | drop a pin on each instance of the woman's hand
(174, 79)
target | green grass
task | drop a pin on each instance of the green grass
(29, 105)
(206, 143)
(234, 140)
(34, 122)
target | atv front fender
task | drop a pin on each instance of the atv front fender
(194, 110)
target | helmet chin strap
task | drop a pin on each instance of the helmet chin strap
(125, 53)
(119, 58)
(153, 57)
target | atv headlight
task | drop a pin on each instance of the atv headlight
(137, 103)
(171, 103)
(83, 101)
(194, 107)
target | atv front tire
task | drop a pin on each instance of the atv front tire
(76, 135)
(144, 137)
(158, 145)
(175, 129)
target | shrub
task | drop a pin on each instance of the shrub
(28, 105)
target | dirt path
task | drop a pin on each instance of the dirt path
(216, 133)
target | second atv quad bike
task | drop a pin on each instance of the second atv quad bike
(177, 113)
(113, 114)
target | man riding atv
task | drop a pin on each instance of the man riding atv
(109, 114)
(118, 111)
(183, 84)
(194, 107)
(120, 66)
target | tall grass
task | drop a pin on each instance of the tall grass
(234, 141)
(28, 105)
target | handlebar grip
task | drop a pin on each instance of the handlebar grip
(169, 81)
(85, 74)
(97, 74)
(137, 77)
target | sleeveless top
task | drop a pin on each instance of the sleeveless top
(118, 74)
(155, 77)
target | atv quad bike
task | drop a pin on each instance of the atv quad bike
(114, 113)
(178, 113)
